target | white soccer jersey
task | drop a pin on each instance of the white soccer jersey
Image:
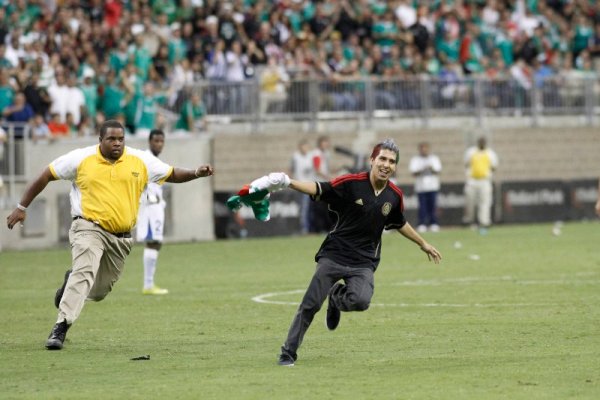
(153, 193)
(151, 216)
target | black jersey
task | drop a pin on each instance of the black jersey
(359, 219)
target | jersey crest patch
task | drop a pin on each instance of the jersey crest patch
(359, 202)
(386, 208)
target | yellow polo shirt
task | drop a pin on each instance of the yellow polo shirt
(109, 193)
(481, 163)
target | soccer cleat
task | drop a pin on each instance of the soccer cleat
(61, 290)
(57, 336)
(435, 228)
(287, 358)
(155, 290)
(333, 313)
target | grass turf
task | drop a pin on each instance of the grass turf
(520, 321)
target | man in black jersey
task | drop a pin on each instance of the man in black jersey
(365, 204)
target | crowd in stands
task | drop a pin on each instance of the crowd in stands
(67, 65)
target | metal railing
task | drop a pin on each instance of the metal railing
(369, 99)
(422, 97)
(12, 159)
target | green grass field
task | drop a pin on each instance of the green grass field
(520, 322)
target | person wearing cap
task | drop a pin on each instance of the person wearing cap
(177, 47)
(90, 93)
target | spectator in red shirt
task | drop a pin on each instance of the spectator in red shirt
(57, 127)
(112, 12)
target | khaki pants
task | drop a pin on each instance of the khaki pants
(98, 260)
(478, 195)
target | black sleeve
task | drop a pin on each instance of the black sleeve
(328, 193)
(395, 219)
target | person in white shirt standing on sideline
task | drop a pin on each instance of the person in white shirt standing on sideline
(426, 167)
(151, 219)
(302, 169)
(481, 162)
(318, 211)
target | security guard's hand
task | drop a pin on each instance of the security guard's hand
(17, 216)
(204, 170)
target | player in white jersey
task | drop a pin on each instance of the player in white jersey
(151, 220)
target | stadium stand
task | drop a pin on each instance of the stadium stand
(292, 68)
(222, 44)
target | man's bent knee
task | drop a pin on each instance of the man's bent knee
(97, 297)
(359, 303)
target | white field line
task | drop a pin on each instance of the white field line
(266, 298)
(507, 279)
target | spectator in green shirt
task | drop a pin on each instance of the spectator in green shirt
(582, 33)
(146, 110)
(7, 92)
(193, 110)
(176, 46)
(141, 57)
(90, 94)
(448, 48)
(385, 31)
(119, 57)
(167, 7)
(117, 93)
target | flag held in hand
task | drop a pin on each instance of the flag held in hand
(257, 194)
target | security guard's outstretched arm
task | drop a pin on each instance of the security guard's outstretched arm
(35, 188)
(180, 175)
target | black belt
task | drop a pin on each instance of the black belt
(120, 235)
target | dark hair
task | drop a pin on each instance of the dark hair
(387, 144)
(155, 132)
(111, 123)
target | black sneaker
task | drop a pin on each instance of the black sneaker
(59, 292)
(57, 336)
(287, 358)
(333, 313)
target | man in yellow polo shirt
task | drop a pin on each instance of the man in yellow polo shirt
(108, 180)
(480, 161)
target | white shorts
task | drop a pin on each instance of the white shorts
(150, 223)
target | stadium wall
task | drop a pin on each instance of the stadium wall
(547, 174)
(189, 207)
(525, 153)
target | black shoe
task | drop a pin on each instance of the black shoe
(57, 336)
(59, 292)
(287, 358)
(333, 313)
